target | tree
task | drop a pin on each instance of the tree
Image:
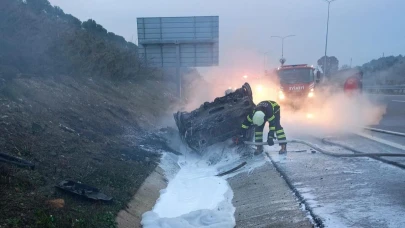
(39, 5)
(332, 64)
(61, 45)
(344, 67)
(92, 27)
(385, 70)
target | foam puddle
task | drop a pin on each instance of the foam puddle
(194, 197)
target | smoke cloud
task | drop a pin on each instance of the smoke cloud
(244, 66)
(332, 111)
(334, 114)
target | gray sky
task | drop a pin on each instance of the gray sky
(359, 29)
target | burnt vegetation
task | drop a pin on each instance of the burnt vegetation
(76, 101)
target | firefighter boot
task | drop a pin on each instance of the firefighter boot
(283, 149)
(259, 150)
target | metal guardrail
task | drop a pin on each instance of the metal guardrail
(385, 89)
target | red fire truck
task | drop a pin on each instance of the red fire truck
(297, 84)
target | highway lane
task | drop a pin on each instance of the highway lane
(340, 192)
(394, 118)
(400, 140)
(347, 192)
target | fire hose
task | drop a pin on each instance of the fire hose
(356, 154)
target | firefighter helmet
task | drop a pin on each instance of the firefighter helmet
(258, 118)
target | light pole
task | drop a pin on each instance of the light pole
(282, 60)
(264, 65)
(264, 59)
(327, 31)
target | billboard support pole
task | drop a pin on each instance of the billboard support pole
(178, 73)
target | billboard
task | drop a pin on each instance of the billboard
(179, 41)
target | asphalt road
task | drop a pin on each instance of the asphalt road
(394, 118)
(347, 192)
(263, 199)
(339, 192)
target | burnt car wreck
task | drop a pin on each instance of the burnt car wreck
(83, 190)
(215, 121)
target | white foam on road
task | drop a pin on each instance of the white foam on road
(194, 198)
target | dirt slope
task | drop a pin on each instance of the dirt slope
(84, 129)
(76, 101)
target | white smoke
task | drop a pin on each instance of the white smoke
(331, 112)
(334, 113)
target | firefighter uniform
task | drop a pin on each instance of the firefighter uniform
(272, 114)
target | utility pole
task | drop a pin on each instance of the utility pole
(282, 60)
(351, 62)
(264, 64)
(327, 32)
(264, 59)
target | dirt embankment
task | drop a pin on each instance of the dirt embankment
(89, 130)
(76, 101)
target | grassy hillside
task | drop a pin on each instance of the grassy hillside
(77, 102)
(37, 38)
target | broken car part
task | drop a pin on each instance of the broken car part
(87, 191)
(16, 161)
(215, 121)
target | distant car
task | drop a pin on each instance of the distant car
(353, 85)
(348, 81)
(216, 121)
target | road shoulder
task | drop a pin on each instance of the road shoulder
(262, 198)
(143, 200)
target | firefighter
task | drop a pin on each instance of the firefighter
(266, 111)
(353, 85)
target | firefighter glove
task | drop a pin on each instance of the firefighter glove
(270, 141)
(243, 133)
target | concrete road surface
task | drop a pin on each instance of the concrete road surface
(347, 192)
(394, 119)
(262, 198)
(337, 192)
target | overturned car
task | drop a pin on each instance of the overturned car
(215, 121)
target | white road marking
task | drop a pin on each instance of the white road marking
(385, 95)
(383, 141)
(392, 95)
(384, 131)
(398, 101)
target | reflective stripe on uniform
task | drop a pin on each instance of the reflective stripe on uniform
(272, 128)
(249, 119)
(259, 137)
(244, 126)
(271, 118)
(276, 107)
(280, 131)
(280, 136)
(273, 103)
(258, 133)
